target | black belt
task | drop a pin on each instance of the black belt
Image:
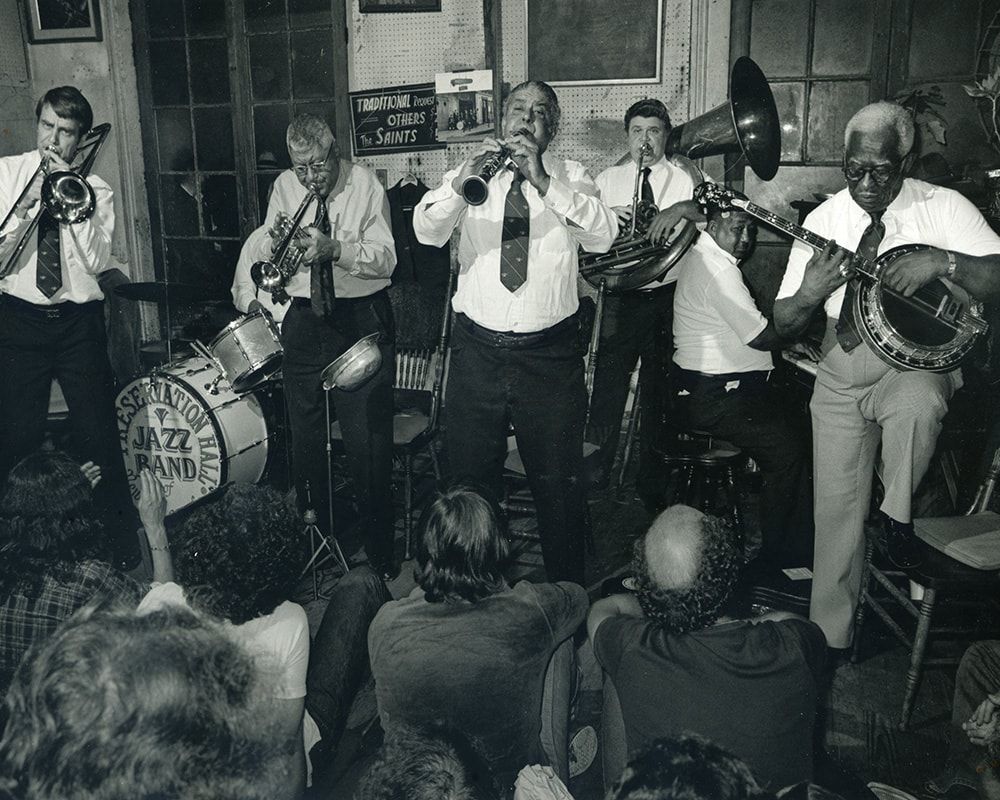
(687, 377)
(305, 302)
(54, 311)
(511, 339)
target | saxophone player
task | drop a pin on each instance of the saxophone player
(639, 323)
(515, 350)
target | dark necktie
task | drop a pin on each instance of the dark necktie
(847, 325)
(321, 292)
(647, 189)
(514, 241)
(48, 270)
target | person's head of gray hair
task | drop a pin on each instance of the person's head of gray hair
(306, 131)
(883, 119)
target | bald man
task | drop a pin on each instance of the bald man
(677, 657)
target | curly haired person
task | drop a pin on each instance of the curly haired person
(678, 658)
(240, 558)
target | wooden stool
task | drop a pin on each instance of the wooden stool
(705, 466)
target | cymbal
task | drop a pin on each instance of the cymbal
(161, 292)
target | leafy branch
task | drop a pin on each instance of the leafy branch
(923, 106)
(986, 94)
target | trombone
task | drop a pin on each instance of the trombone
(66, 195)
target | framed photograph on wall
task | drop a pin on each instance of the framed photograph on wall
(611, 42)
(63, 20)
(377, 6)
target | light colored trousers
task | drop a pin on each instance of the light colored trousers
(858, 401)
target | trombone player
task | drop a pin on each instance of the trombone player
(337, 296)
(640, 322)
(52, 307)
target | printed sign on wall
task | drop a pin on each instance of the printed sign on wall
(397, 119)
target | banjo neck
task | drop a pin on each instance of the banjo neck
(861, 265)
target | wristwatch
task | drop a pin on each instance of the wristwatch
(952, 264)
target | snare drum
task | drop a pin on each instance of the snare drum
(248, 350)
(192, 430)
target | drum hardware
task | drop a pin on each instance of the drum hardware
(931, 331)
(355, 366)
(66, 195)
(747, 124)
(164, 292)
(272, 276)
(248, 350)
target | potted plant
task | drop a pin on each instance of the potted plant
(986, 95)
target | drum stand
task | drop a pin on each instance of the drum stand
(318, 541)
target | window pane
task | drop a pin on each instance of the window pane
(213, 132)
(325, 111)
(304, 13)
(269, 126)
(202, 262)
(790, 101)
(777, 40)
(209, 70)
(942, 38)
(219, 205)
(312, 63)
(265, 15)
(168, 73)
(205, 17)
(173, 134)
(180, 206)
(165, 19)
(842, 39)
(264, 181)
(831, 105)
(269, 66)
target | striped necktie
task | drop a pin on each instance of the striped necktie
(847, 326)
(647, 188)
(515, 238)
(48, 269)
(321, 291)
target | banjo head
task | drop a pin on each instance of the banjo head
(932, 331)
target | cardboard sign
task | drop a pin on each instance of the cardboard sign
(397, 119)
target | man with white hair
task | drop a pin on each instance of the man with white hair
(338, 295)
(678, 657)
(859, 400)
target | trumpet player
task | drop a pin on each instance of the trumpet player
(337, 296)
(52, 309)
(515, 351)
(639, 323)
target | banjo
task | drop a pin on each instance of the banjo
(931, 331)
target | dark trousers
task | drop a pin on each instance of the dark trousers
(365, 414)
(539, 390)
(636, 324)
(746, 416)
(68, 343)
(338, 656)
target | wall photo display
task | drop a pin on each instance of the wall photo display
(63, 21)
(394, 6)
(586, 42)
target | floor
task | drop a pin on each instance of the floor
(860, 741)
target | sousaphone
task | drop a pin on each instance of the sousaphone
(748, 124)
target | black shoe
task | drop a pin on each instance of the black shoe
(836, 657)
(901, 545)
(389, 572)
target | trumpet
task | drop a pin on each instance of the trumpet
(273, 275)
(66, 195)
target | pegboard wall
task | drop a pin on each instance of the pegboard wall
(17, 102)
(393, 49)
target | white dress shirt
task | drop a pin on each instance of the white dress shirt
(359, 220)
(244, 290)
(671, 181)
(715, 317)
(569, 215)
(85, 246)
(920, 214)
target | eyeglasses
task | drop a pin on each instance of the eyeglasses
(880, 175)
(317, 166)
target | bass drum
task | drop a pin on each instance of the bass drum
(186, 424)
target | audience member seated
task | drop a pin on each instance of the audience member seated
(240, 558)
(117, 706)
(52, 551)
(429, 763)
(467, 650)
(974, 747)
(686, 768)
(680, 658)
